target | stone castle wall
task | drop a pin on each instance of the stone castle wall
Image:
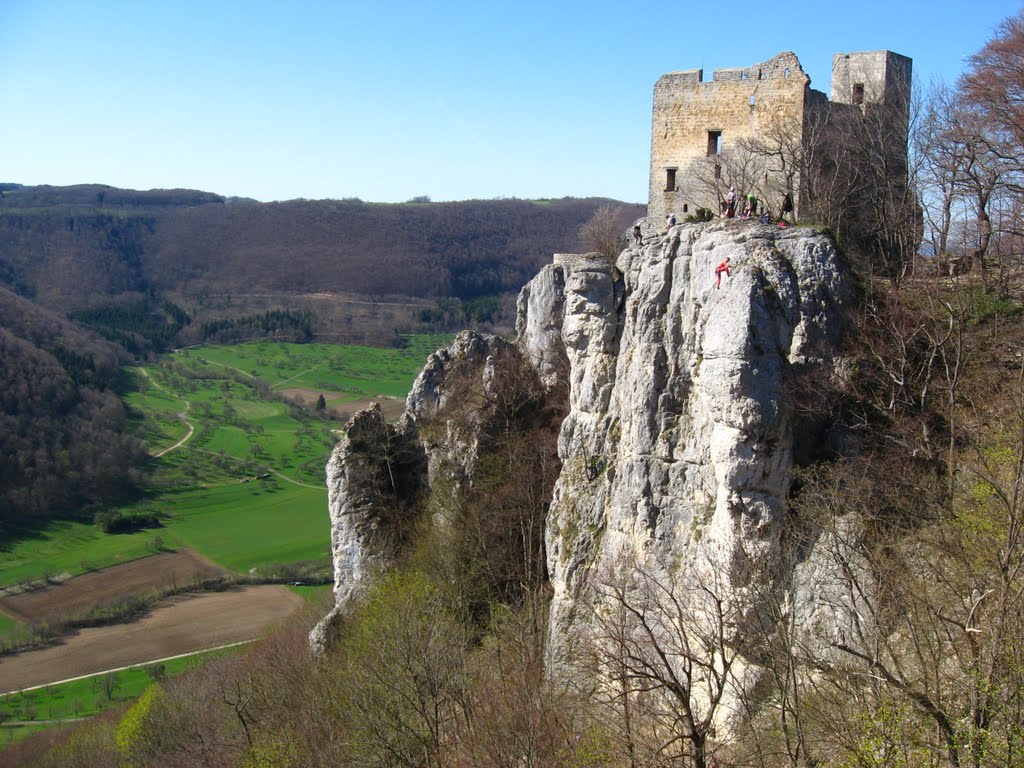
(700, 131)
(738, 104)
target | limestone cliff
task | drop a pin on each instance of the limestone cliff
(683, 418)
(682, 429)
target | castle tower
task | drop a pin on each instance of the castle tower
(873, 77)
(747, 127)
(878, 84)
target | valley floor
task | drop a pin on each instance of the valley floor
(179, 625)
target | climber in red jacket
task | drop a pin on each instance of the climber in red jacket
(723, 267)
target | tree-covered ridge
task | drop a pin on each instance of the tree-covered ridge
(20, 196)
(91, 248)
(61, 444)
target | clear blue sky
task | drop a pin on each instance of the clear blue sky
(389, 100)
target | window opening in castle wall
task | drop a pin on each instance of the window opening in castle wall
(714, 143)
(670, 179)
(858, 94)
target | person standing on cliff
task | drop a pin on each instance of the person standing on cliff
(730, 203)
(787, 206)
(723, 267)
(637, 235)
(751, 207)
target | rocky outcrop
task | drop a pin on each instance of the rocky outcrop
(375, 477)
(683, 423)
(679, 443)
(383, 480)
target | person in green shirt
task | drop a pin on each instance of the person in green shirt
(751, 207)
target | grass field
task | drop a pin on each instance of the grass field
(7, 624)
(313, 593)
(238, 476)
(89, 696)
(247, 488)
(70, 547)
(354, 372)
(247, 526)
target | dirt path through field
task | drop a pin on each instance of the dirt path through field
(188, 434)
(229, 367)
(181, 416)
(297, 375)
(179, 625)
(268, 469)
(164, 660)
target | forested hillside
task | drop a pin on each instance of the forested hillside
(151, 270)
(360, 271)
(60, 424)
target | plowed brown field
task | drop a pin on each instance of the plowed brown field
(75, 596)
(179, 625)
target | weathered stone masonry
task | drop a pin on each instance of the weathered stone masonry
(699, 129)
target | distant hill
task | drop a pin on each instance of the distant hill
(61, 444)
(187, 265)
(154, 269)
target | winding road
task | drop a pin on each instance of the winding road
(182, 416)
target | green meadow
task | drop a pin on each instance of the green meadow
(70, 547)
(238, 452)
(247, 488)
(6, 623)
(313, 593)
(350, 372)
(88, 696)
(97, 693)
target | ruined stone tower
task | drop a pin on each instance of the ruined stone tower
(747, 128)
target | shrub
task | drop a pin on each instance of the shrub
(702, 215)
(121, 521)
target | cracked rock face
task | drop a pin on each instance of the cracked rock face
(379, 473)
(679, 442)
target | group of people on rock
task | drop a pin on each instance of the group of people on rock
(727, 207)
(727, 210)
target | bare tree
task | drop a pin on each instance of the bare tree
(927, 666)
(603, 232)
(402, 674)
(786, 148)
(742, 167)
(990, 92)
(995, 84)
(515, 716)
(939, 145)
(666, 648)
(110, 684)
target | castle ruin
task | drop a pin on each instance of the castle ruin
(753, 128)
